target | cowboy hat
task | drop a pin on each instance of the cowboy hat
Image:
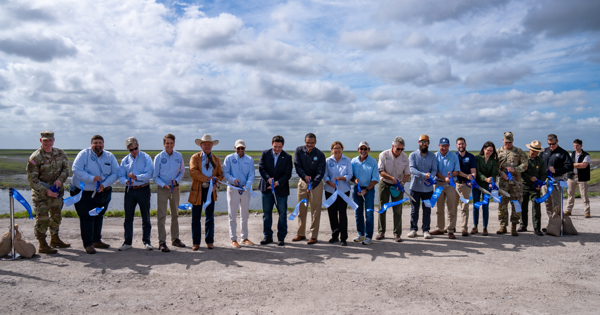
(206, 138)
(535, 146)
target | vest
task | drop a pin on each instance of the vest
(583, 174)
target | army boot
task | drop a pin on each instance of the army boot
(56, 242)
(502, 230)
(513, 230)
(44, 248)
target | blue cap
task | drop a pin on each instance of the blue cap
(444, 141)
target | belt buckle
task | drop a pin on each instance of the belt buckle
(205, 185)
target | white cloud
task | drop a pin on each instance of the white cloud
(418, 72)
(205, 33)
(367, 39)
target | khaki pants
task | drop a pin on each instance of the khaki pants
(236, 202)
(583, 187)
(449, 198)
(163, 196)
(465, 192)
(313, 200)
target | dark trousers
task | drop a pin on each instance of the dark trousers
(268, 201)
(414, 210)
(364, 228)
(536, 209)
(209, 222)
(485, 209)
(338, 218)
(141, 197)
(91, 226)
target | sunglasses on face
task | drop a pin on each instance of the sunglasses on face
(552, 143)
(399, 149)
(424, 142)
(131, 150)
(241, 149)
(363, 149)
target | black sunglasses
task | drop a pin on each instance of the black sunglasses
(398, 149)
(240, 148)
(363, 149)
(552, 143)
(131, 150)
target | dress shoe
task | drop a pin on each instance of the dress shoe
(234, 244)
(247, 242)
(465, 233)
(344, 243)
(177, 243)
(100, 245)
(210, 246)
(266, 241)
(502, 230)
(451, 235)
(513, 230)
(333, 240)
(522, 229)
(380, 236)
(298, 238)
(544, 230)
(474, 230)
(163, 248)
(311, 241)
(485, 232)
(436, 232)
(567, 212)
(280, 243)
(538, 232)
(587, 215)
(90, 250)
(195, 247)
(397, 238)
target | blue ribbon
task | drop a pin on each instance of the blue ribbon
(429, 182)
(509, 175)
(563, 184)
(452, 183)
(309, 187)
(486, 200)
(494, 186)
(539, 183)
(397, 189)
(95, 212)
(185, 206)
(98, 185)
(517, 205)
(209, 194)
(391, 204)
(20, 199)
(344, 197)
(473, 184)
(436, 194)
(548, 193)
(297, 210)
(75, 199)
(358, 188)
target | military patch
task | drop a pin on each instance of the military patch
(32, 162)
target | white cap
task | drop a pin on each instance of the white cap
(364, 144)
(239, 143)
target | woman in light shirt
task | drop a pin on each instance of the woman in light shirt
(339, 168)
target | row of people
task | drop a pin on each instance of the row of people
(95, 170)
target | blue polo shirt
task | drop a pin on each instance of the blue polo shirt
(466, 164)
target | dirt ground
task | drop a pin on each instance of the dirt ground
(497, 274)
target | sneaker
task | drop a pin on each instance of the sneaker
(426, 235)
(147, 246)
(125, 247)
(412, 233)
(367, 241)
(359, 238)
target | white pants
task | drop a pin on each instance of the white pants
(236, 202)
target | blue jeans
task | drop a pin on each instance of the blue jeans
(209, 222)
(485, 208)
(369, 203)
(141, 197)
(414, 210)
(268, 201)
(91, 227)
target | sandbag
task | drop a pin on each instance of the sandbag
(23, 247)
(568, 228)
(5, 245)
(554, 226)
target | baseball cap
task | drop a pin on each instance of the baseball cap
(444, 141)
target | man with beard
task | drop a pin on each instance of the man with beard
(447, 165)
(94, 167)
(423, 166)
(135, 173)
(468, 169)
(510, 159)
(559, 163)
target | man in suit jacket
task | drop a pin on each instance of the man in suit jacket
(275, 167)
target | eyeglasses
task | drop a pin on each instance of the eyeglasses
(399, 149)
(552, 143)
(337, 148)
(240, 148)
(363, 149)
(131, 150)
(424, 142)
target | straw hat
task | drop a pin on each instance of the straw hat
(535, 146)
(206, 138)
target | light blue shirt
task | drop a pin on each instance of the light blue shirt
(336, 169)
(419, 166)
(168, 167)
(448, 163)
(275, 158)
(88, 165)
(240, 168)
(207, 172)
(141, 167)
(366, 172)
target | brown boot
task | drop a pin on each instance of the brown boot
(502, 230)
(56, 242)
(513, 230)
(44, 248)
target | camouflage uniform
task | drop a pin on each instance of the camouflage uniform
(517, 159)
(47, 167)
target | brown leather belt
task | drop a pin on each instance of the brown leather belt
(140, 186)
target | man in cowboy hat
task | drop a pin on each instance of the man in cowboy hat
(535, 170)
(204, 167)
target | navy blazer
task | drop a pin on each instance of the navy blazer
(281, 173)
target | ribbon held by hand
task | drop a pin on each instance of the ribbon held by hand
(297, 210)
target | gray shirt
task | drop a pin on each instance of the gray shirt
(419, 166)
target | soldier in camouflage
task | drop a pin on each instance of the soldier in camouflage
(513, 160)
(47, 170)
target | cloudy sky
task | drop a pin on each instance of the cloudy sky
(348, 70)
